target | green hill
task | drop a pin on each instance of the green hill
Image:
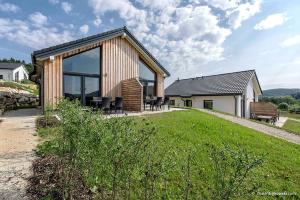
(279, 92)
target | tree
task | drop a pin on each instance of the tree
(28, 66)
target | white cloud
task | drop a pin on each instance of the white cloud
(54, 1)
(223, 4)
(84, 29)
(9, 7)
(183, 36)
(67, 7)
(38, 19)
(97, 22)
(24, 33)
(294, 40)
(243, 12)
(271, 21)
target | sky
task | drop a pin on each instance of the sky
(189, 37)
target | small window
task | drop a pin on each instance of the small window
(25, 76)
(208, 104)
(1, 77)
(172, 102)
(188, 103)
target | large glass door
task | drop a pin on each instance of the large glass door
(73, 87)
(91, 89)
(83, 88)
(82, 76)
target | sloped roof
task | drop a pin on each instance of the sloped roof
(220, 84)
(10, 66)
(44, 53)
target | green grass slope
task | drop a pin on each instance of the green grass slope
(281, 171)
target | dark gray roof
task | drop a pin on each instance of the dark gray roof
(10, 66)
(44, 53)
(221, 84)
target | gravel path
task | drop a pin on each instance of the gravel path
(275, 132)
(16, 145)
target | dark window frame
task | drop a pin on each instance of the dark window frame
(17, 77)
(190, 104)
(83, 75)
(208, 101)
(146, 80)
(1, 77)
(172, 102)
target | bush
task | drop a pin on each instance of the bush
(295, 109)
(232, 168)
(283, 106)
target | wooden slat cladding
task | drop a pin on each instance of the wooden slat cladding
(52, 81)
(120, 61)
(132, 92)
(82, 49)
(160, 91)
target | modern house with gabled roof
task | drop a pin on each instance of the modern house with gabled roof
(230, 93)
(112, 64)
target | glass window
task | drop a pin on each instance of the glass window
(17, 76)
(188, 103)
(147, 79)
(87, 62)
(172, 102)
(208, 104)
(1, 77)
(145, 73)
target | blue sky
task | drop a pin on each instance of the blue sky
(190, 38)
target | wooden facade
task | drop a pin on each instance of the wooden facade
(119, 62)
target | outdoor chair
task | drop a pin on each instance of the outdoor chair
(105, 105)
(95, 102)
(167, 102)
(157, 103)
(147, 100)
(118, 104)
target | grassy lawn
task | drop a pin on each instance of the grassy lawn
(292, 126)
(179, 134)
(280, 173)
(290, 115)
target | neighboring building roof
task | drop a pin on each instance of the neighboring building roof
(221, 84)
(10, 66)
(45, 53)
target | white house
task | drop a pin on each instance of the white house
(230, 93)
(13, 72)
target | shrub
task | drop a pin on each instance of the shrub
(283, 106)
(232, 168)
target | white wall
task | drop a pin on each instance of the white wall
(21, 71)
(249, 95)
(7, 74)
(220, 103)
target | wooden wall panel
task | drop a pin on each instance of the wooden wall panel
(160, 90)
(120, 62)
(132, 92)
(53, 81)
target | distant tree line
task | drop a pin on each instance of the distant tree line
(296, 96)
(28, 66)
(287, 103)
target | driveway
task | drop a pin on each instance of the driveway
(268, 130)
(16, 151)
